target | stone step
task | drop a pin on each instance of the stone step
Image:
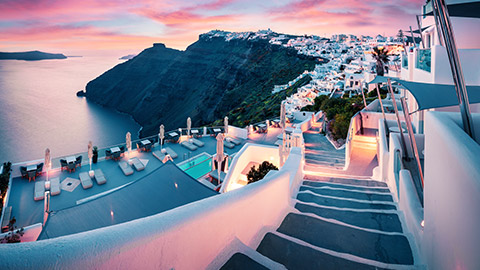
(387, 222)
(385, 248)
(325, 163)
(335, 185)
(297, 256)
(358, 195)
(347, 181)
(342, 203)
(241, 261)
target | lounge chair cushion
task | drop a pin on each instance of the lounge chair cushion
(99, 177)
(158, 154)
(228, 144)
(55, 186)
(139, 166)
(39, 192)
(188, 145)
(85, 180)
(127, 170)
(233, 140)
(172, 153)
(197, 142)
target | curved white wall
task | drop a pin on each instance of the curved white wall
(452, 193)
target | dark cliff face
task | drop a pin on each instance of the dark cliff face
(205, 82)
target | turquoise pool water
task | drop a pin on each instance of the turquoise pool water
(197, 166)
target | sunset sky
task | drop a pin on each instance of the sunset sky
(128, 26)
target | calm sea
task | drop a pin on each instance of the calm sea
(39, 109)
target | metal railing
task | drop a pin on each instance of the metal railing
(424, 58)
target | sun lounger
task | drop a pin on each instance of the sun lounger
(158, 154)
(233, 140)
(139, 166)
(228, 144)
(172, 153)
(55, 186)
(197, 142)
(126, 169)
(188, 145)
(99, 177)
(39, 192)
(85, 180)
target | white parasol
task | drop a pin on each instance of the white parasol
(90, 153)
(161, 135)
(189, 126)
(48, 162)
(220, 154)
(225, 123)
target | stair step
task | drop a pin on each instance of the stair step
(296, 256)
(241, 261)
(391, 249)
(386, 222)
(340, 203)
(359, 195)
(335, 185)
(347, 181)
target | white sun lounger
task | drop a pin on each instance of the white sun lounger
(139, 166)
(172, 153)
(197, 142)
(233, 140)
(39, 192)
(188, 145)
(228, 144)
(126, 169)
(158, 154)
(99, 177)
(55, 186)
(85, 180)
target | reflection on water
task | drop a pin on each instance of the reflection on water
(39, 109)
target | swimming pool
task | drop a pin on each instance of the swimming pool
(197, 166)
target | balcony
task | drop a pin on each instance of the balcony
(424, 60)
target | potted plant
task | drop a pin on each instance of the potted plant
(95, 154)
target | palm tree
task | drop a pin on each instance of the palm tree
(380, 54)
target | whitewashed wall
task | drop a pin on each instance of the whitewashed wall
(241, 133)
(249, 153)
(452, 193)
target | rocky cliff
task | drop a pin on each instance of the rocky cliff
(211, 79)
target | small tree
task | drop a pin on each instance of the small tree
(257, 174)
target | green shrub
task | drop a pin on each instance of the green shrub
(259, 173)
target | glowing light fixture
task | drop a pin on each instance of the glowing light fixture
(176, 185)
(422, 223)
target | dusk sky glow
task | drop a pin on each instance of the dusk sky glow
(128, 26)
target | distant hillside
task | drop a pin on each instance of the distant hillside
(213, 78)
(30, 56)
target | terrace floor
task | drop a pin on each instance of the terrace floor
(27, 211)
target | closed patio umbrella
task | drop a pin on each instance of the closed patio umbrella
(90, 153)
(220, 154)
(225, 123)
(282, 116)
(128, 141)
(189, 126)
(47, 162)
(161, 135)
